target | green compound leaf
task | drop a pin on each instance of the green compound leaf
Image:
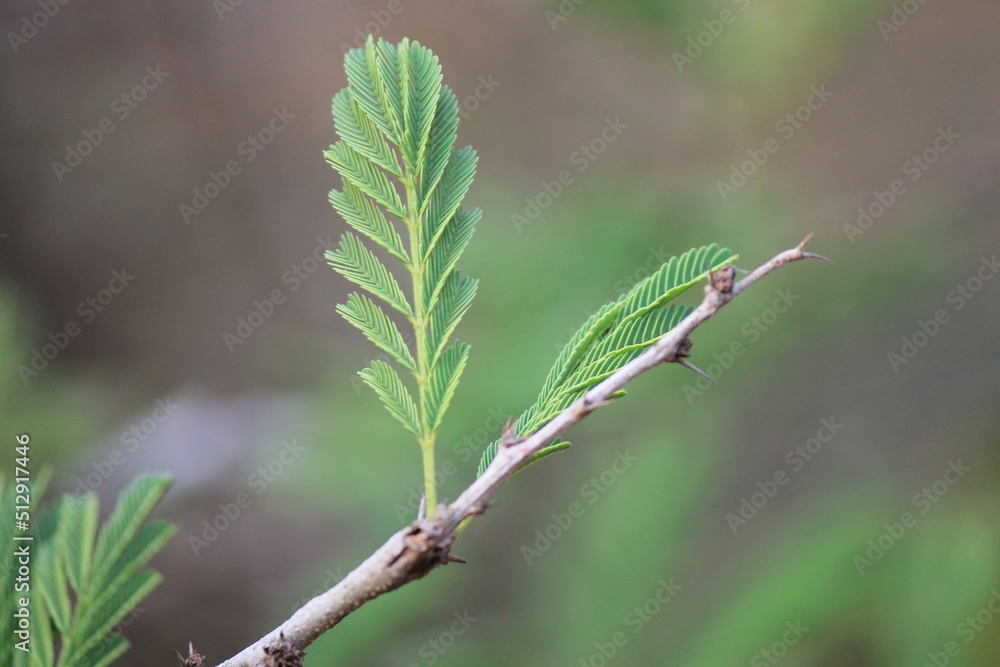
(362, 214)
(397, 126)
(385, 381)
(363, 175)
(444, 380)
(106, 575)
(456, 297)
(616, 334)
(363, 313)
(358, 264)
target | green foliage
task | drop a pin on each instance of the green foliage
(83, 581)
(616, 334)
(397, 126)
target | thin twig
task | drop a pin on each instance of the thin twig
(413, 552)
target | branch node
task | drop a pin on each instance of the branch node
(722, 280)
(508, 437)
(283, 653)
(194, 659)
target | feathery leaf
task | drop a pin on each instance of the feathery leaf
(363, 313)
(355, 262)
(385, 381)
(444, 381)
(616, 334)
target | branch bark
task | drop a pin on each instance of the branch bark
(415, 551)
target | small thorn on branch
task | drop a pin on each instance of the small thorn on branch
(810, 255)
(683, 352)
(687, 364)
(452, 558)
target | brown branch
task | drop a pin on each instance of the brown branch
(413, 552)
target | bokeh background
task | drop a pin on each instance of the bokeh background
(842, 99)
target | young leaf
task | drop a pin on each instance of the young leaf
(395, 105)
(377, 327)
(355, 262)
(616, 334)
(363, 215)
(444, 380)
(383, 379)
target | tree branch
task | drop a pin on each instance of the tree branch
(413, 552)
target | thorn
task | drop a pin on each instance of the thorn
(812, 255)
(422, 510)
(452, 558)
(687, 364)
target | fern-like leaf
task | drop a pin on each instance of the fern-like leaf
(385, 381)
(106, 575)
(396, 109)
(363, 313)
(456, 297)
(616, 334)
(361, 213)
(358, 264)
(444, 381)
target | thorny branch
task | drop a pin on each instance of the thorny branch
(425, 544)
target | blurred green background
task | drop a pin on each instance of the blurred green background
(880, 544)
